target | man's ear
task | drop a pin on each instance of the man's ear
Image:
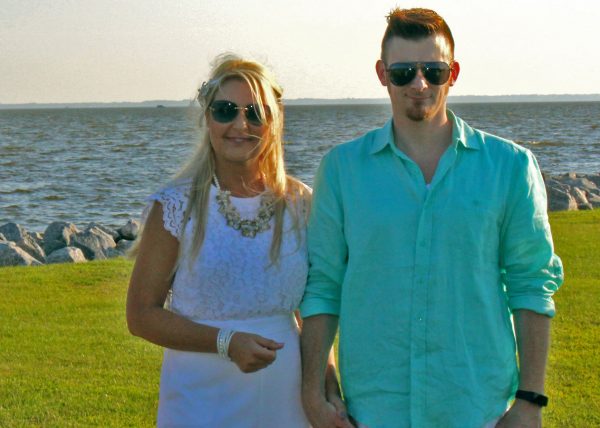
(454, 72)
(381, 73)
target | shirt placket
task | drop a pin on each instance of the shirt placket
(420, 396)
(418, 321)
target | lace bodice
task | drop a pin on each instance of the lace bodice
(232, 277)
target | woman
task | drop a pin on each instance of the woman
(222, 265)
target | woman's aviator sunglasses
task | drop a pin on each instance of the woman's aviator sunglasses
(402, 73)
(226, 111)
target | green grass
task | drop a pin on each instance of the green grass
(573, 381)
(67, 359)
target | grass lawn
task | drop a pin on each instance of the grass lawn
(67, 359)
(573, 381)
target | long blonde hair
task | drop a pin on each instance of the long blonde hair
(289, 192)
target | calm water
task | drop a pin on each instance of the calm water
(84, 165)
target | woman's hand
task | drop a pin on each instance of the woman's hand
(251, 352)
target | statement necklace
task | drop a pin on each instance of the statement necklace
(248, 228)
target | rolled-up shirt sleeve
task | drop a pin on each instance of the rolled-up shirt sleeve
(327, 248)
(532, 272)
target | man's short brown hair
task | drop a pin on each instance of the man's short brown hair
(415, 24)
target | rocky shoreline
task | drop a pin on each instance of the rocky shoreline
(572, 191)
(63, 242)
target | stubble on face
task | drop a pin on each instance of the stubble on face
(420, 110)
(417, 112)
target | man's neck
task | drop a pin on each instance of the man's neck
(425, 136)
(423, 141)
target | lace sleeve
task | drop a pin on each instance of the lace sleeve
(174, 203)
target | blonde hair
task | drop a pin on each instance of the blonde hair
(289, 192)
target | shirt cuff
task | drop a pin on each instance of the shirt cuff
(317, 306)
(542, 306)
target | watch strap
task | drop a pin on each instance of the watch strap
(533, 397)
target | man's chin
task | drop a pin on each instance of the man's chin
(417, 115)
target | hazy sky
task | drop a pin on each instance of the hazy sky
(133, 50)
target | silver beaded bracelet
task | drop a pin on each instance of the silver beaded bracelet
(223, 339)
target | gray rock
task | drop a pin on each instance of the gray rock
(93, 242)
(112, 232)
(3, 238)
(13, 255)
(38, 237)
(573, 191)
(120, 250)
(581, 199)
(124, 245)
(17, 234)
(130, 230)
(595, 179)
(594, 200)
(58, 235)
(581, 182)
(112, 253)
(559, 199)
(66, 255)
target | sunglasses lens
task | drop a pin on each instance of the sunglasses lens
(437, 73)
(253, 114)
(223, 111)
(402, 75)
(226, 111)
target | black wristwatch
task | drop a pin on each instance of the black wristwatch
(533, 397)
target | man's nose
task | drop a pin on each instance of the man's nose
(419, 81)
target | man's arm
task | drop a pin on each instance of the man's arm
(320, 307)
(318, 333)
(533, 342)
(532, 274)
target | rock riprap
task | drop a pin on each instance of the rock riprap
(63, 242)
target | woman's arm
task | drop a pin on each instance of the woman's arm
(146, 317)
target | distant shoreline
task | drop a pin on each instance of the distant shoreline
(457, 99)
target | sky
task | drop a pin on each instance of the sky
(63, 51)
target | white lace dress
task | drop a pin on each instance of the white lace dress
(232, 284)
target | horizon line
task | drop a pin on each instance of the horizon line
(304, 100)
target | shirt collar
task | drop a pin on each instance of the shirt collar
(383, 137)
(462, 134)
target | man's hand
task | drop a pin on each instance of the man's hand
(522, 414)
(251, 352)
(322, 413)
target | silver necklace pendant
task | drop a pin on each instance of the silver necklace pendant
(248, 227)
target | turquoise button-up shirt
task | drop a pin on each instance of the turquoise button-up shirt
(424, 279)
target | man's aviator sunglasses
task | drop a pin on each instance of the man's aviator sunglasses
(226, 111)
(402, 73)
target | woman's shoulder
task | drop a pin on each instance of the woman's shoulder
(173, 198)
(297, 192)
(296, 187)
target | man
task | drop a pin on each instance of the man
(425, 236)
